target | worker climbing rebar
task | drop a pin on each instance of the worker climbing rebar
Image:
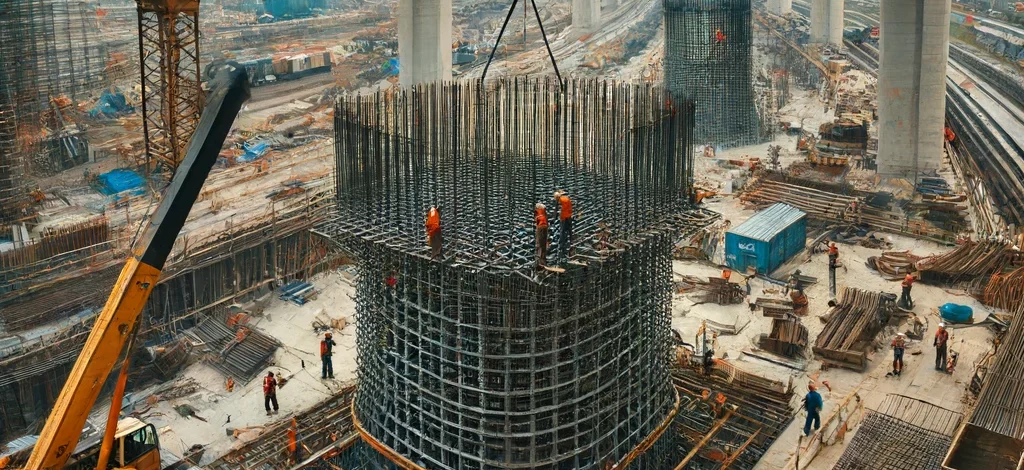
(906, 302)
(540, 216)
(433, 226)
(326, 352)
(564, 224)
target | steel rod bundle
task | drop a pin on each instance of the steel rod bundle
(852, 323)
(1005, 291)
(968, 261)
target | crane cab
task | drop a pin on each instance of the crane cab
(136, 446)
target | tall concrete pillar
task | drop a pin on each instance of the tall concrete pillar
(780, 7)
(912, 86)
(835, 21)
(586, 15)
(424, 41)
(819, 21)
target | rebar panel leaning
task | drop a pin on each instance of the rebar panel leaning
(904, 434)
(708, 60)
(171, 97)
(477, 360)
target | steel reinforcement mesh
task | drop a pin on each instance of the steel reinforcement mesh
(478, 360)
(712, 69)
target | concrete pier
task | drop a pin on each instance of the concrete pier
(424, 41)
(586, 15)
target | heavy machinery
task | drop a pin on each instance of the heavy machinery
(137, 445)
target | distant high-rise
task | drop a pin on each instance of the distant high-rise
(707, 59)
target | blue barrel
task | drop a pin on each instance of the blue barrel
(956, 313)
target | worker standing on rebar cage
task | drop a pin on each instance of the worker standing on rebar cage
(905, 301)
(270, 392)
(434, 232)
(564, 224)
(326, 352)
(540, 216)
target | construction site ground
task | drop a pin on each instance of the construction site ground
(297, 360)
(919, 379)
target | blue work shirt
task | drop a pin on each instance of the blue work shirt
(814, 402)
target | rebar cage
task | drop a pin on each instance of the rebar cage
(708, 60)
(477, 359)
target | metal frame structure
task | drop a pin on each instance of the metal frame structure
(715, 74)
(171, 95)
(478, 359)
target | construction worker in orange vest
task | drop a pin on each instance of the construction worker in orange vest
(540, 216)
(905, 301)
(433, 225)
(326, 351)
(270, 392)
(293, 445)
(564, 224)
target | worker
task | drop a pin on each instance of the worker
(833, 262)
(726, 274)
(540, 216)
(795, 282)
(719, 35)
(326, 351)
(941, 337)
(293, 445)
(905, 301)
(564, 224)
(433, 225)
(270, 392)
(813, 404)
(899, 345)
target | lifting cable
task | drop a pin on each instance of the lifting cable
(501, 32)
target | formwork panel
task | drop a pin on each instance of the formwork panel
(478, 359)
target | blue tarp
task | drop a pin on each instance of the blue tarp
(391, 66)
(119, 180)
(111, 105)
(956, 313)
(253, 151)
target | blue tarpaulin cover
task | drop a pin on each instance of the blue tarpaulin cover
(111, 105)
(119, 180)
(956, 313)
(253, 151)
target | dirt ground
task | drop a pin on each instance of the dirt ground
(919, 378)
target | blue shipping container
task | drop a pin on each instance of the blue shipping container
(767, 239)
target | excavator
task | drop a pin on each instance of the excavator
(132, 443)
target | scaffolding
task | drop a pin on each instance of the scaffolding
(708, 60)
(478, 359)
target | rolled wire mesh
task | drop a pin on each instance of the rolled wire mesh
(477, 359)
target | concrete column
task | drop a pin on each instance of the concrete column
(424, 41)
(835, 21)
(780, 7)
(586, 15)
(912, 86)
(819, 21)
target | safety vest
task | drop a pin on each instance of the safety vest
(268, 385)
(566, 208)
(541, 216)
(433, 222)
(325, 348)
(908, 281)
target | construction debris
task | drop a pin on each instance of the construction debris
(788, 337)
(241, 353)
(851, 327)
(894, 265)
(968, 261)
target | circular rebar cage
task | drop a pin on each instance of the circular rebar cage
(477, 359)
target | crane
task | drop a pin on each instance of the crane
(118, 321)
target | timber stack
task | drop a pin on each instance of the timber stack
(851, 325)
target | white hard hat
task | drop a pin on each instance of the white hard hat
(942, 325)
(540, 206)
(900, 334)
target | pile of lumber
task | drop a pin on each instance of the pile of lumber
(894, 264)
(852, 325)
(837, 208)
(968, 261)
(714, 289)
(788, 337)
(1004, 290)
